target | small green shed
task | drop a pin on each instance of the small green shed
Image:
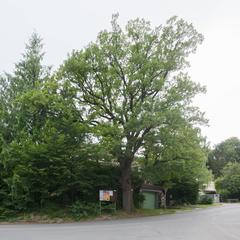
(151, 195)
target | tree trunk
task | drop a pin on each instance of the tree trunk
(164, 198)
(126, 184)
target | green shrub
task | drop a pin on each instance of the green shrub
(6, 213)
(205, 199)
(82, 209)
(184, 191)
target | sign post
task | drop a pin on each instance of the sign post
(105, 197)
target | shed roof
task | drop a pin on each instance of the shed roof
(152, 188)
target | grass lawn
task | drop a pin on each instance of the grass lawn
(61, 215)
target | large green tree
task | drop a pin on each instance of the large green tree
(42, 139)
(229, 183)
(175, 155)
(223, 153)
(46, 153)
(131, 83)
(28, 74)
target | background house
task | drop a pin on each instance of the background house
(210, 190)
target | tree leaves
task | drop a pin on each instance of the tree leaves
(123, 97)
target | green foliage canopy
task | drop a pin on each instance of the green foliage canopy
(132, 84)
(229, 183)
(125, 96)
(223, 153)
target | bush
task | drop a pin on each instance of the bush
(205, 199)
(184, 191)
(6, 213)
(82, 209)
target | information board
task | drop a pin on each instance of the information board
(107, 195)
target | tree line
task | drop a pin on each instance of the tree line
(224, 162)
(115, 114)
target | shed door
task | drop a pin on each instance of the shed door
(149, 200)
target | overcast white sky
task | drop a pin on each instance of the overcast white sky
(71, 24)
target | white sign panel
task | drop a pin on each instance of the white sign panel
(105, 195)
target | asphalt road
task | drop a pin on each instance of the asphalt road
(216, 223)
